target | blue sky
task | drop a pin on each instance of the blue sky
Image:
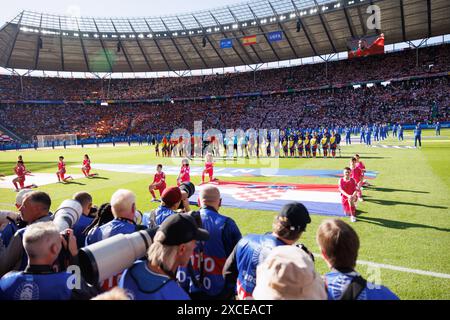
(108, 8)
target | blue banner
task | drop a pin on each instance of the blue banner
(226, 43)
(275, 36)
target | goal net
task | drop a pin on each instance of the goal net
(47, 141)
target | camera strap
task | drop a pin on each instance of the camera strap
(354, 289)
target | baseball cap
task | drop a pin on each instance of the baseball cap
(288, 274)
(171, 195)
(21, 195)
(296, 215)
(181, 228)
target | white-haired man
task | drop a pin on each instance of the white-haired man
(43, 243)
(123, 207)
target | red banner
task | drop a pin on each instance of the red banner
(365, 46)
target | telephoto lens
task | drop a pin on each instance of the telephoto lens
(67, 214)
(109, 257)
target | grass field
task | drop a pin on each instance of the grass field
(404, 222)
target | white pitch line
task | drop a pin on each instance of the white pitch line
(396, 268)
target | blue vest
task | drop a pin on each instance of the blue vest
(252, 250)
(143, 284)
(336, 283)
(26, 286)
(109, 230)
(162, 213)
(209, 257)
(24, 261)
(8, 233)
(79, 227)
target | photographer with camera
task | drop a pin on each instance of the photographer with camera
(43, 243)
(123, 207)
(203, 279)
(12, 222)
(85, 200)
(251, 250)
(172, 247)
(173, 200)
(35, 208)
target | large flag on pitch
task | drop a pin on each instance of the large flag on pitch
(317, 198)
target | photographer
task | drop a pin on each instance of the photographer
(43, 243)
(172, 247)
(11, 222)
(35, 208)
(240, 267)
(85, 199)
(204, 280)
(171, 199)
(123, 207)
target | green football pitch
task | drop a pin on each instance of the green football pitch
(404, 223)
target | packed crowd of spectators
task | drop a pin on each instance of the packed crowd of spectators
(432, 60)
(399, 102)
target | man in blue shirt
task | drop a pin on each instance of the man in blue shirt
(418, 135)
(170, 201)
(123, 207)
(172, 247)
(438, 129)
(400, 132)
(348, 133)
(85, 199)
(240, 267)
(205, 280)
(43, 243)
(339, 245)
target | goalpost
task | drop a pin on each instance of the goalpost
(46, 141)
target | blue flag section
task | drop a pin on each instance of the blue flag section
(275, 36)
(226, 43)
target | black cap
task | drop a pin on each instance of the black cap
(296, 214)
(181, 228)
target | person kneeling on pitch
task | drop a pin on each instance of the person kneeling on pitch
(39, 281)
(62, 171)
(172, 247)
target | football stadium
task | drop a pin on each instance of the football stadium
(267, 150)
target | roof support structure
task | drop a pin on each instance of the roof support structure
(403, 21)
(157, 46)
(61, 46)
(83, 48)
(284, 32)
(104, 48)
(347, 18)
(243, 33)
(304, 28)
(193, 45)
(176, 46)
(429, 17)
(361, 20)
(223, 33)
(324, 24)
(209, 41)
(140, 47)
(15, 39)
(262, 30)
(123, 49)
(38, 49)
